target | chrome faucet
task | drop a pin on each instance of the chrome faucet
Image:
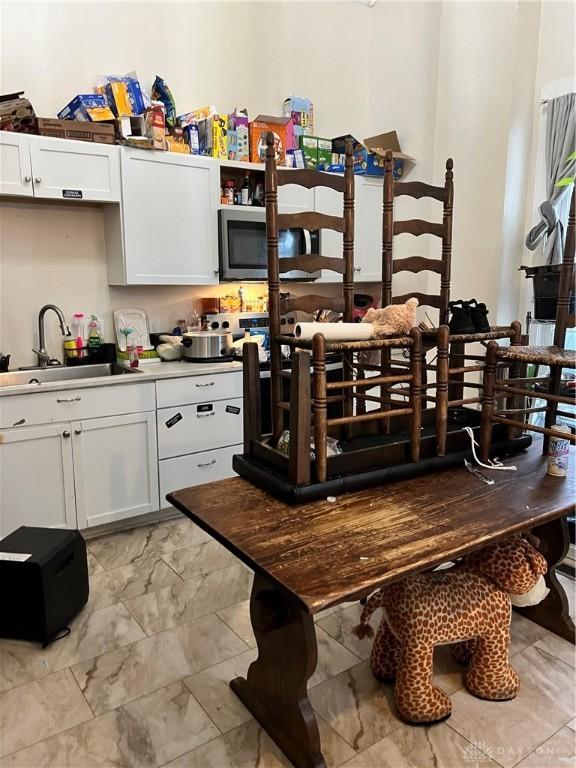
(44, 358)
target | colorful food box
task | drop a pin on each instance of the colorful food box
(191, 138)
(369, 155)
(324, 153)
(194, 117)
(124, 96)
(17, 114)
(301, 110)
(213, 136)
(309, 147)
(317, 152)
(79, 130)
(283, 130)
(238, 136)
(91, 107)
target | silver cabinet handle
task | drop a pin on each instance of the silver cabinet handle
(208, 384)
(216, 271)
(66, 433)
(207, 463)
(37, 179)
(77, 431)
(27, 179)
(203, 415)
(357, 269)
(68, 399)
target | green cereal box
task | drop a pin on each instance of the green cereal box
(309, 147)
(324, 152)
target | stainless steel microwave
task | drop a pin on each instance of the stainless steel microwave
(242, 245)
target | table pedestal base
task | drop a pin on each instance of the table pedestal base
(553, 613)
(274, 689)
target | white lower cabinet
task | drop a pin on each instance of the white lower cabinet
(78, 473)
(199, 427)
(195, 469)
(115, 468)
(36, 478)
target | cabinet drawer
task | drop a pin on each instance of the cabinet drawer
(201, 427)
(198, 389)
(73, 404)
(195, 469)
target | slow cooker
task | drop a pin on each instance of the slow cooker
(207, 346)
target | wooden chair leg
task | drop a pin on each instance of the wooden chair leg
(300, 401)
(415, 393)
(252, 396)
(552, 406)
(442, 373)
(320, 405)
(488, 400)
(456, 389)
(515, 401)
(360, 404)
(385, 365)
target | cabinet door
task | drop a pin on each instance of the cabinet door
(15, 167)
(37, 478)
(75, 170)
(115, 468)
(367, 229)
(169, 219)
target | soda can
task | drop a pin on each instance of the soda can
(558, 452)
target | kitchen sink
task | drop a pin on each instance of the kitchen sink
(61, 373)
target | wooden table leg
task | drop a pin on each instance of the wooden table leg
(552, 613)
(274, 689)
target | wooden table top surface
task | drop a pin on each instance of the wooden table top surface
(325, 553)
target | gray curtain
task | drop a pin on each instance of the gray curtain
(560, 142)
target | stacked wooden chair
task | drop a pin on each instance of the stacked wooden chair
(451, 359)
(555, 356)
(305, 410)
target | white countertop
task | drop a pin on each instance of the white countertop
(147, 373)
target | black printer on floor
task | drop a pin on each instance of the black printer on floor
(43, 582)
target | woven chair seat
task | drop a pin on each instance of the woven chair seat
(541, 355)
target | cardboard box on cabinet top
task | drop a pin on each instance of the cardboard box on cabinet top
(369, 155)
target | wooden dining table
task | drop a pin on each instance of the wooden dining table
(310, 557)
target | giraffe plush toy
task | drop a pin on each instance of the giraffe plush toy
(468, 604)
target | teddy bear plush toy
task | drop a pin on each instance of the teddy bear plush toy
(468, 604)
(394, 319)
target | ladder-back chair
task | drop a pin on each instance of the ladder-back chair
(450, 366)
(305, 403)
(554, 356)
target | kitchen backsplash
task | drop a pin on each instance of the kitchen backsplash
(56, 254)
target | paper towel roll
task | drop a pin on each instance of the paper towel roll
(335, 331)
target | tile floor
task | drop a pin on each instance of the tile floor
(142, 680)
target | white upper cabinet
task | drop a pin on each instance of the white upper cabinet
(58, 169)
(75, 170)
(367, 229)
(15, 166)
(166, 232)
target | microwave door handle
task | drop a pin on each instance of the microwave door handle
(307, 242)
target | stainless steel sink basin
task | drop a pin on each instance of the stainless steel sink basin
(39, 376)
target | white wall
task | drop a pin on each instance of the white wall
(244, 54)
(555, 75)
(454, 78)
